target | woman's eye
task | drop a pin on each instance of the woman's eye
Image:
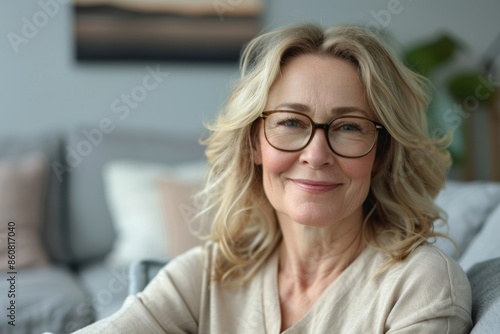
(350, 127)
(293, 123)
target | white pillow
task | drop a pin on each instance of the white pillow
(485, 245)
(133, 194)
(468, 205)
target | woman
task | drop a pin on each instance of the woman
(321, 185)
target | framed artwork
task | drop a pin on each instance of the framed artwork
(179, 30)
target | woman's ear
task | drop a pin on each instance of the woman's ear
(256, 150)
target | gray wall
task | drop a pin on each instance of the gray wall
(42, 88)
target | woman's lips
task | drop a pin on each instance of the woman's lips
(315, 186)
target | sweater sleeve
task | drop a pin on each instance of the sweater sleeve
(434, 296)
(169, 304)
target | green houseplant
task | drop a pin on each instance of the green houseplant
(467, 88)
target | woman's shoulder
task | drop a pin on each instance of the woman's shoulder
(192, 261)
(184, 277)
(428, 261)
(427, 265)
(430, 285)
(429, 258)
(425, 258)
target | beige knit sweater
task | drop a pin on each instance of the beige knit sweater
(426, 293)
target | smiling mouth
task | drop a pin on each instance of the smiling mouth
(315, 186)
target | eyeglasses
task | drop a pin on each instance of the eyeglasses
(347, 136)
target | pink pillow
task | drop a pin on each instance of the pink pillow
(179, 209)
(23, 182)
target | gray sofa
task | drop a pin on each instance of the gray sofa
(77, 287)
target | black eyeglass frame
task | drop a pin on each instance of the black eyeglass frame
(325, 126)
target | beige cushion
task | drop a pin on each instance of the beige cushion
(179, 210)
(23, 189)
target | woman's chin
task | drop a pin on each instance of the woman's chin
(313, 221)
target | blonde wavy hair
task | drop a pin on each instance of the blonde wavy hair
(409, 170)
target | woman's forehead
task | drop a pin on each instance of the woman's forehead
(311, 83)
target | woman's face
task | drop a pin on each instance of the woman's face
(314, 186)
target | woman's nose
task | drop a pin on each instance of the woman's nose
(318, 153)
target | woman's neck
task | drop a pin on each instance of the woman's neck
(310, 259)
(308, 254)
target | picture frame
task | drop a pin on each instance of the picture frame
(171, 30)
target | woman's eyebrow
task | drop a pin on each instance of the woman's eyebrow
(293, 106)
(339, 111)
(336, 111)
